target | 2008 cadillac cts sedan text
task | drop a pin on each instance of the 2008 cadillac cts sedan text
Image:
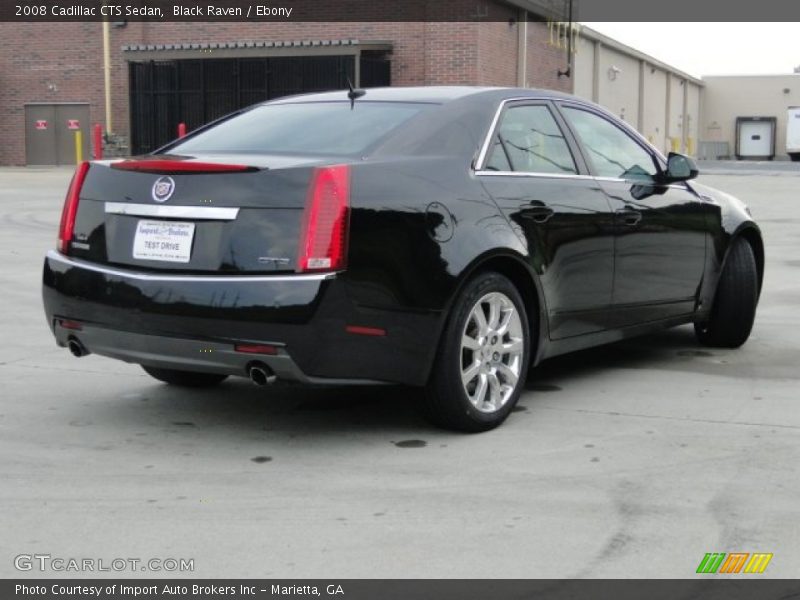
(446, 238)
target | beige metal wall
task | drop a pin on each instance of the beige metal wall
(728, 97)
(583, 68)
(618, 84)
(675, 113)
(654, 122)
(694, 115)
(662, 102)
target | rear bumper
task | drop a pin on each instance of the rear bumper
(188, 354)
(192, 323)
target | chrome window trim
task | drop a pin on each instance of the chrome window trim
(677, 186)
(571, 176)
(211, 213)
(534, 174)
(577, 103)
(81, 264)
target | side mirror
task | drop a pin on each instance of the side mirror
(679, 168)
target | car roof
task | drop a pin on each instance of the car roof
(434, 94)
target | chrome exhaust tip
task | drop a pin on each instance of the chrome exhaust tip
(260, 374)
(76, 348)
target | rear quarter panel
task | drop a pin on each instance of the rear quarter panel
(416, 225)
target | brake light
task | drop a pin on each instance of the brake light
(178, 166)
(70, 210)
(323, 241)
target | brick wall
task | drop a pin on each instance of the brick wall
(498, 54)
(62, 62)
(48, 62)
(545, 61)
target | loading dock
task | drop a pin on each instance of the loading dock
(755, 138)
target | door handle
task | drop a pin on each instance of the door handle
(629, 216)
(537, 214)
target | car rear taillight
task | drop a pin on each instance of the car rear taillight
(176, 166)
(323, 241)
(70, 210)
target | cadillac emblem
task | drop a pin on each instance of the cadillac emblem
(163, 189)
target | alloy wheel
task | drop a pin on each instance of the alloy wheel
(492, 348)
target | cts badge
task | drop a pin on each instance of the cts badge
(163, 189)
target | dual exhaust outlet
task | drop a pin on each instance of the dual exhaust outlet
(259, 373)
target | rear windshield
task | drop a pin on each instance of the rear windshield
(303, 128)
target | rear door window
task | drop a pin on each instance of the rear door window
(529, 140)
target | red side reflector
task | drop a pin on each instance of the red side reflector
(359, 330)
(178, 166)
(67, 226)
(255, 349)
(323, 242)
(74, 325)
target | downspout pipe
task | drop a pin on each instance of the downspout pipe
(107, 73)
(522, 49)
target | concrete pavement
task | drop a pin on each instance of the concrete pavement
(631, 460)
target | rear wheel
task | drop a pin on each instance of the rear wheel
(735, 302)
(185, 378)
(483, 357)
(795, 156)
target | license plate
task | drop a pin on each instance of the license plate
(163, 240)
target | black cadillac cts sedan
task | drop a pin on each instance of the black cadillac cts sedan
(446, 238)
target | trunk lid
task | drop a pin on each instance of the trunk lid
(213, 213)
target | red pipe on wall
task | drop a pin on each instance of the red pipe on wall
(181, 130)
(98, 142)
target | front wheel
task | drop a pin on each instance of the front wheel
(185, 378)
(483, 357)
(734, 309)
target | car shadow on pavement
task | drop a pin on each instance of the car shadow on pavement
(672, 349)
(240, 405)
(328, 411)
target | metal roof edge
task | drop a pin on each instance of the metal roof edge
(249, 44)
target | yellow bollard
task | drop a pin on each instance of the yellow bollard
(78, 146)
(676, 144)
(690, 146)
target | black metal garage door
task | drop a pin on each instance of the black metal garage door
(165, 93)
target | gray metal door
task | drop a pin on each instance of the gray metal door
(40, 134)
(69, 119)
(50, 133)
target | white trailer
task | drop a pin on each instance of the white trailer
(793, 133)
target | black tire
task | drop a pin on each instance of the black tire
(185, 378)
(795, 156)
(447, 403)
(735, 301)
